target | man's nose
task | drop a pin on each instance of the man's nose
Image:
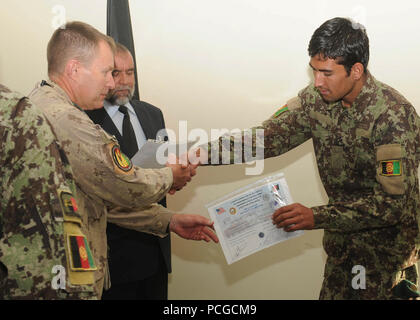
(319, 79)
(123, 80)
(110, 82)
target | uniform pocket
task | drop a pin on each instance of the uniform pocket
(337, 157)
(389, 170)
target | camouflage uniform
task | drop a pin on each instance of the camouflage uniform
(104, 176)
(368, 156)
(37, 215)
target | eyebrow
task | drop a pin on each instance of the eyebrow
(322, 70)
(120, 70)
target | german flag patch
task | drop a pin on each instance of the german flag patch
(280, 111)
(120, 159)
(391, 168)
(81, 258)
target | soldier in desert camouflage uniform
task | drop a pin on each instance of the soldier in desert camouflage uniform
(38, 214)
(80, 65)
(366, 139)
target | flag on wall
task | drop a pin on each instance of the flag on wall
(119, 27)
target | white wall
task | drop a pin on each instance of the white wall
(228, 64)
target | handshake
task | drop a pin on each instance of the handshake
(188, 226)
(183, 168)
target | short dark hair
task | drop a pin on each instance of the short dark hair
(341, 39)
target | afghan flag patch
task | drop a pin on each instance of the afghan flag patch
(391, 168)
(281, 110)
(120, 159)
(81, 258)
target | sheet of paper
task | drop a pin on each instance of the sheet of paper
(154, 154)
(242, 219)
(146, 156)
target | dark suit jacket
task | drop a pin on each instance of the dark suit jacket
(134, 255)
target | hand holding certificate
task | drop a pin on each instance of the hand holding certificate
(243, 219)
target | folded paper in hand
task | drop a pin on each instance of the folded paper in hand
(146, 156)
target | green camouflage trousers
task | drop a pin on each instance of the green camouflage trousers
(350, 281)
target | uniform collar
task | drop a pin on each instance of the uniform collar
(363, 100)
(60, 91)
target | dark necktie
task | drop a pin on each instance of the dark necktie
(129, 146)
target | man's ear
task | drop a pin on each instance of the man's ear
(72, 69)
(357, 71)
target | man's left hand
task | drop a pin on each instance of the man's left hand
(294, 217)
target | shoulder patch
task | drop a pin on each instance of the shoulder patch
(291, 105)
(120, 159)
(281, 110)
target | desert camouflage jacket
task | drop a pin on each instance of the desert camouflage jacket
(104, 176)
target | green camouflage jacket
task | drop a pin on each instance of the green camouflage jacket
(368, 156)
(38, 215)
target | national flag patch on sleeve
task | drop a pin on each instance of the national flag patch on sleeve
(81, 258)
(280, 111)
(391, 168)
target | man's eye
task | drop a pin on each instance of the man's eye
(115, 73)
(327, 74)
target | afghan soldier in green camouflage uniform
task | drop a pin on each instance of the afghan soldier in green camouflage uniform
(38, 214)
(366, 138)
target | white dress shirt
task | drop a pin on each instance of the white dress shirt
(118, 117)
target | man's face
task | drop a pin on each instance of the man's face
(95, 79)
(124, 79)
(331, 79)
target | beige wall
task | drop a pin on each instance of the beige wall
(228, 64)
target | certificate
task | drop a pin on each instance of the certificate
(242, 219)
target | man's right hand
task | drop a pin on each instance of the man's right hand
(193, 227)
(181, 172)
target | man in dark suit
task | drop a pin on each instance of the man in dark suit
(139, 263)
